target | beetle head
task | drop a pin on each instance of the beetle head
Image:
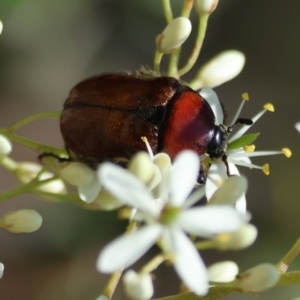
(218, 144)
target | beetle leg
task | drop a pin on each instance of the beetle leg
(224, 159)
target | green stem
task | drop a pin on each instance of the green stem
(187, 8)
(198, 44)
(217, 292)
(29, 119)
(289, 257)
(36, 146)
(157, 59)
(24, 189)
(173, 64)
(167, 10)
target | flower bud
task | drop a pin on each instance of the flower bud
(141, 166)
(297, 126)
(206, 6)
(27, 171)
(138, 286)
(222, 68)
(258, 278)
(5, 144)
(105, 201)
(224, 271)
(77, 173)
(1, 27)
(174, 35)
(1, 270)
(22, 221)
(240, 239)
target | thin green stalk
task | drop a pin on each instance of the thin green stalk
(36, 146)
(167, 10)
(173, 64)
(17, 125)
(24, 189)
(198, 45)
(157, 59)
(289, 257)
(187, 8)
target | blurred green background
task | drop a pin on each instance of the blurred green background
(48, 46)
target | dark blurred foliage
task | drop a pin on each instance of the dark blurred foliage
(48, 46)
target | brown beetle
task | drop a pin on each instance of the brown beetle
(105, 117)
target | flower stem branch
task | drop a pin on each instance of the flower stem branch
(285, 262)
(19, 124)
(25, 188)
(187, 8)
(217, 292)
(157, 59)
(167, 10)
(198, 44)
(33, 145)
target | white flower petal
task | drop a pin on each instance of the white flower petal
(188, 263)
(89, 192)
(127, 249)
(1, 270)
(297, 126)
(215, 178)
(183, 177)
(210, 220)
(231, 190)
(211, 97)
(126, 187)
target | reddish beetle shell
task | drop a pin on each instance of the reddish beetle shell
(105, 117)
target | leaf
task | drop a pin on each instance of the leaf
(243, 141)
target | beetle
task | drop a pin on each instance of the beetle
(105, 116)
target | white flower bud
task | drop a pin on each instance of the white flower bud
(141, 166)
(105, 201)
(297, 126)
(222, 68)
(240, 239)
(5, 144)
(174, 35)
(22, 221)
(138, 286)
(1, 27)
(1, 270)
(27, 171)
(77, 173)
(206, 6)
(258, 278)
(224, 271)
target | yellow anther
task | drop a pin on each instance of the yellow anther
(245, 96)
(249, 148)
(287, 152)
(266, 169)
(269, 107)
(144, 139)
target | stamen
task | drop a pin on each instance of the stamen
(269, 107)
(245, 98)
(287, 152)
(144, 139)
(266, 169)
(249, 148)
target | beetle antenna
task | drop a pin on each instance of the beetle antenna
(242, 121)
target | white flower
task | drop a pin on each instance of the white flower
(138, 286)
(297, 126)
(1, 27)
(174, 35)
(240, 156)
(167, 219)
